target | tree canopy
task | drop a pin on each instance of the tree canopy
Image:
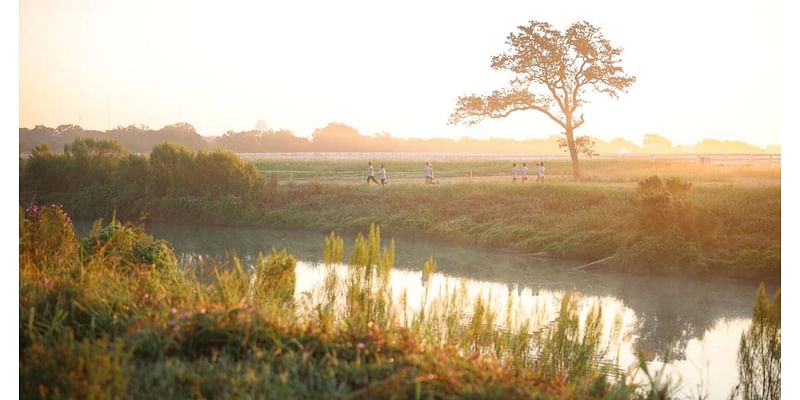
(553, 72)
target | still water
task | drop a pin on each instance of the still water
(696, 323)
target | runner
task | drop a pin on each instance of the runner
(383, 175)
(542, 167)
(514, 172)
(428, 173)
(524, 171)
(371, 174)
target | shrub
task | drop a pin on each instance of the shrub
(664, 203)
(128, 246)
(46, 237)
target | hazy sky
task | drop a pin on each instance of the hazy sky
(705, 69)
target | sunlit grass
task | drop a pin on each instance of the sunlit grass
(125, 325)
(728, 224)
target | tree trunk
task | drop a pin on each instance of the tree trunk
(573, 154)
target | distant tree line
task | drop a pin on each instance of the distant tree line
(337, 137)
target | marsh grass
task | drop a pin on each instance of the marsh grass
(97, 321)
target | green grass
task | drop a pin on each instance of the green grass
(99, 321)
(732, 231)
(592, 170)
(727, 225)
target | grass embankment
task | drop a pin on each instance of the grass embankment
(653, 226)
(111, 315)
(722, 231)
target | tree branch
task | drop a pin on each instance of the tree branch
(579, 122)
(500, 104)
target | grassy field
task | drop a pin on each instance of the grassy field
(707, 220)
(619, 171)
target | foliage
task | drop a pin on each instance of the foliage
(665, 203)
(552, 73)
(85, 369)
(274, 278)
(334, 249)
(759, 357)
(667, 251)
(46, 236)
(94, 178)
(583, 144)
(711, 229)
(568, 349)
(106, 332)
(128, 246)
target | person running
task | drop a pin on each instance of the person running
(541, 166)
(383, 175)
(428, 173)
(524, 171)
(371, 174)
(540, 172)
(514, 172)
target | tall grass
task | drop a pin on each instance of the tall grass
(759, 357)
(719, 230)
(97, 320)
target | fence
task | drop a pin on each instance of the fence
(433, 156)
(438, 156)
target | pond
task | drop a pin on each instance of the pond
(694, 325)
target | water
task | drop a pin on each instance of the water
(697, 323)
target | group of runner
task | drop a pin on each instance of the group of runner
(371, 174)
(521, 172)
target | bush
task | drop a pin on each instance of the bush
(46, 237)
(656, 201)
(128, 246)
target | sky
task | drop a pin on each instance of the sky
(704, 69)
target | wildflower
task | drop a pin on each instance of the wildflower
(185, 314)
(360, 346)
(173, 310)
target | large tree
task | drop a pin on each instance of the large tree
(553, 71)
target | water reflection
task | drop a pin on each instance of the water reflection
(694, 324)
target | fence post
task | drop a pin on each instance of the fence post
(470, 175)
(291, 176)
